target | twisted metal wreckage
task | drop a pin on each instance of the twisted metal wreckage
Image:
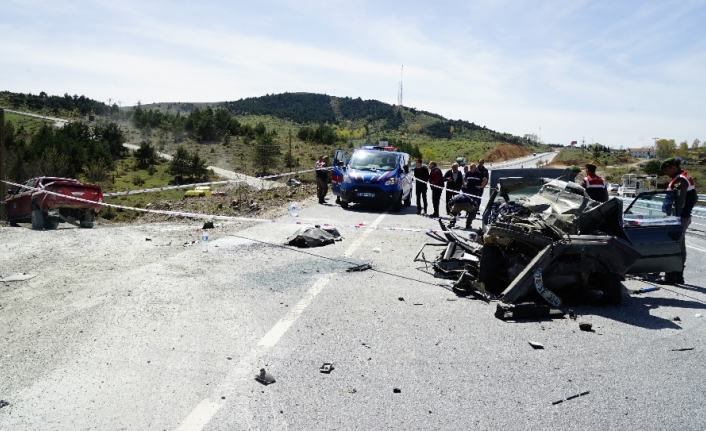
(551, 246)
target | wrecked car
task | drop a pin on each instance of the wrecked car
(546, 237)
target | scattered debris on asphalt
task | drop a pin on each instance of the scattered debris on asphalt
(697, 315)
(645, 289)
(189, 244)
(363, 267)
(293, 183)
(314, 237)
(676, 319)
(683, 349)
(400, 299)
(3, 403)
(585, 326)
(18, 277)
(208, 225)
(535, 345)
(526, 310)
(397, 390)
(352, 391)
(326, 368)
(572, 314)
(148, 239)
(265, 378)
(376, 250)
(571, 397)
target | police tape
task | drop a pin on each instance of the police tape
(209, 183)
(225, 218)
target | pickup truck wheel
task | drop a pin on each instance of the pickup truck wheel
(37, 220)
(613, 290)
(491, 270)
(87, 221)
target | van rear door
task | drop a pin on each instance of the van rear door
(340, 161)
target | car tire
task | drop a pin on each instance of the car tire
(397, 206)
(491, 270)
(37, 219)
(408, 201)
(87, 221)
(612, 290)
(344, 204)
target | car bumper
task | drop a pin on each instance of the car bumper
(360, 194)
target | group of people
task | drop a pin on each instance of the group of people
(463, 189)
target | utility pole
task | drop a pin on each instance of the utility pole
(583, 145)
(3, 186)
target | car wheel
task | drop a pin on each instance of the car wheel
(408, 201)
(491, 270)
(87, 221)
(613, 290)
(37, 220)
(344, 204)
(397, 206)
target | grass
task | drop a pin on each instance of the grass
(579, 157)
(30, 124)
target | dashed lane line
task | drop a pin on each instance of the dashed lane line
(202, 414)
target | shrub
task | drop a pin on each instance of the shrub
(138, 180)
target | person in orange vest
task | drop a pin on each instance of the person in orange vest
(686, 198)
(595, 186)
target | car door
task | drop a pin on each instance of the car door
(654, 229)
(340, 163)
(405, 177)
(24, 200)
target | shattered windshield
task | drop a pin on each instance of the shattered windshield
(373, 161)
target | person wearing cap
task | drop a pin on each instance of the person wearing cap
(321, 178)
(436, 181)
(686, 198)
(595, 186)
(574, 172)
(463, 202)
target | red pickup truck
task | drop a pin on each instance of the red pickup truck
(46, 210)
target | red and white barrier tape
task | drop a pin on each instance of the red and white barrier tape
(210, 183)
(219, 217)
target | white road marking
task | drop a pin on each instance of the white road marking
(281, 327)
(696, 248)
(206, 409)
(365, 235)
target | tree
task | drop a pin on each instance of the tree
(428, 155)
(664, 148)
(653, 167)
(146, 155)
(683, 149)
(197, 167)
(180, 164)
(266, 152)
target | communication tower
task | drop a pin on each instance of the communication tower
(399, 93)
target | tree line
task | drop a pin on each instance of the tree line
(74, 149)
(55, 104)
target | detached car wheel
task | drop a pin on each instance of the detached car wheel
(37, 220)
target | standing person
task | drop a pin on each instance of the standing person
(483, 170)
(421, 175)
(686, 198)
(595, 186)
(474, 183)
(321, 179)
(464, 187)
(454, 182)
(436, 180)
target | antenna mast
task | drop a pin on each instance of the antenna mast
(399, 93)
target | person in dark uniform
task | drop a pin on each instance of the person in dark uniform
(686, 198)
(484, 171)
(463, 202)
(595, 186)
(421, 175)
(321, 178)
(454, 181)
(474, 183)
(436, 181)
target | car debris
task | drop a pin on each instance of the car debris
(585, 326)
(547, 242)
(396, 390)
(4, 403)
(314, 237)
(326, 368)
(528, 310)
(363, 267)
(582, 394)
(18, 277)
(646, 289)
(293, 183)
(683, 349)
(265, 378)
(208, 225)
(535, 345)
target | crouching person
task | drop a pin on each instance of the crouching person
(463, 202)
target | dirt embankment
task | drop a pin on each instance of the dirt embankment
(506, 152)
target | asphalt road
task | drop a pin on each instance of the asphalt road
(120, 333)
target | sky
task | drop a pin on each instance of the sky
(617, 73)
